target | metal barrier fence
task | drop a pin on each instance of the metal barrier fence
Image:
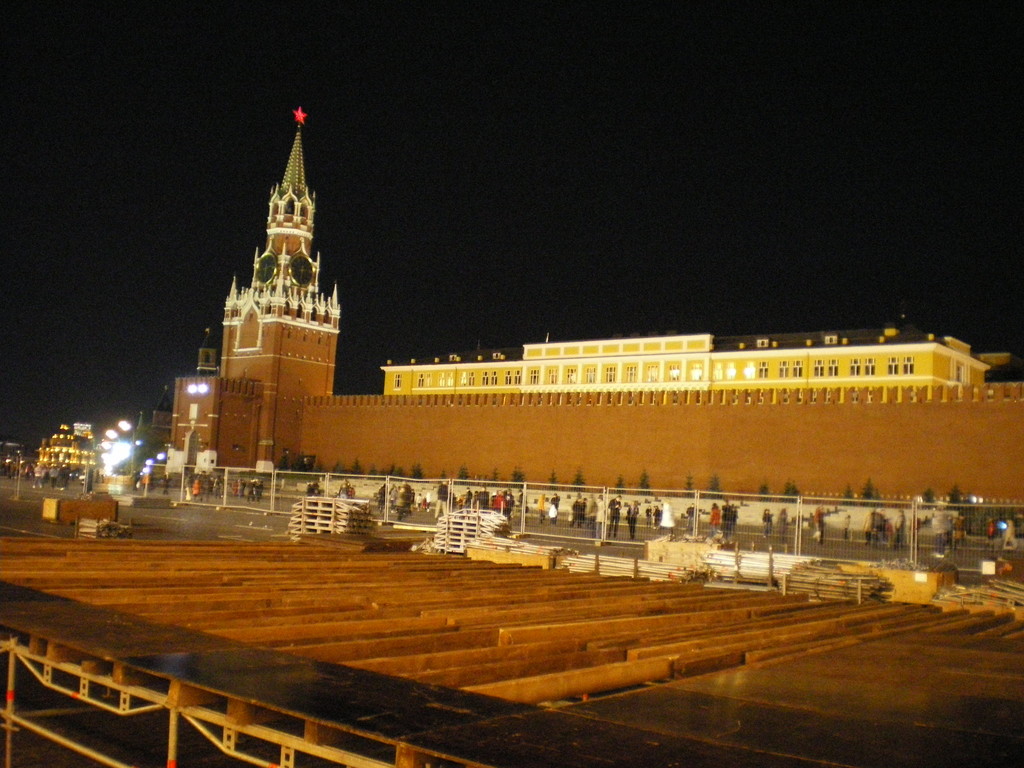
(827, 527)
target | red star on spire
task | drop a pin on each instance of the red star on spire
(300, 116)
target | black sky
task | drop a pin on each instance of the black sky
(488, 174)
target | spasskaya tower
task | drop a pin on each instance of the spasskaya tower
(279, 341)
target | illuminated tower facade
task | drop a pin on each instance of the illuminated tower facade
(280, 330)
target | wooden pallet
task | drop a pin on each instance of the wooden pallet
(458, 529)
(314, 515)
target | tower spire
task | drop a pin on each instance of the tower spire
(295, 172)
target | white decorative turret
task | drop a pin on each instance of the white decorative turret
(285, 278)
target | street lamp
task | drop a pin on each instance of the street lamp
(115, 450)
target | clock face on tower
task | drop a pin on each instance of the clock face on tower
(301, 269)
(266, 267)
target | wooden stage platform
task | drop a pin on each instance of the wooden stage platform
(325, 655)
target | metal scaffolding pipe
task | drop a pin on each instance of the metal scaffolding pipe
(63, 741)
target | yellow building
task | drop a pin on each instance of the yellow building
(829, 359)
(70, 448)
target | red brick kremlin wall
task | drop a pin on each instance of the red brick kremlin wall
(905, 440)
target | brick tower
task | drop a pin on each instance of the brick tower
(280, 330)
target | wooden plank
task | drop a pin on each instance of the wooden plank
(585, 606)
(777, 653)
(347, 650)
(742, 607)
(562, 685)
(746, 640)
(181, 694)
(977, 621)
(756, 637)
(357, 629)
(480, 674)
(426, 662)
(802, 613)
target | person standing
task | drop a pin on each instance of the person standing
(819, 524)
(959, 532)
(716, 519)
(899, 527)
(941, 528)
(767, 522)
(1010, 534)
(442, 499)
(632, 515)
(614, 515)
(729, 517)
(880, 538)
(668, 520)
(579, 512)
(600, 515)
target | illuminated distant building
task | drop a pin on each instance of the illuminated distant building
(890, 356)
(70, 447)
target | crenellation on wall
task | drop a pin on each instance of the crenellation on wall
(971, 437)
(994, 393)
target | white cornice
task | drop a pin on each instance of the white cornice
(271, 230)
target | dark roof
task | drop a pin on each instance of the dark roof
(904, 334)
(800, 339)
(473, 356)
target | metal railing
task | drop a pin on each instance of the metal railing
(831, 528)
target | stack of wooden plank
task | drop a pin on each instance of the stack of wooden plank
(460, 527)
(87, 528)
(318, 515)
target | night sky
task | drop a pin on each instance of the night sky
(489, 174)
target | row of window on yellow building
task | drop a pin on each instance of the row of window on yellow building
(928, 362)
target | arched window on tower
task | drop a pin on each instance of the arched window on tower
(289, 207)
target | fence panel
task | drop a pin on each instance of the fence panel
(575, 510)
(971, 533)
(869, 530)
(754, 522)
(968, 534)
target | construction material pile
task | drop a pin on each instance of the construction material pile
(639, 569)
(828, 582)
(758, 567)
(88, 528)
(317, 515)
(501, 544)
(997, 593)
(461, 527)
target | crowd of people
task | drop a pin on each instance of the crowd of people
(619, 517)
(42, 476)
